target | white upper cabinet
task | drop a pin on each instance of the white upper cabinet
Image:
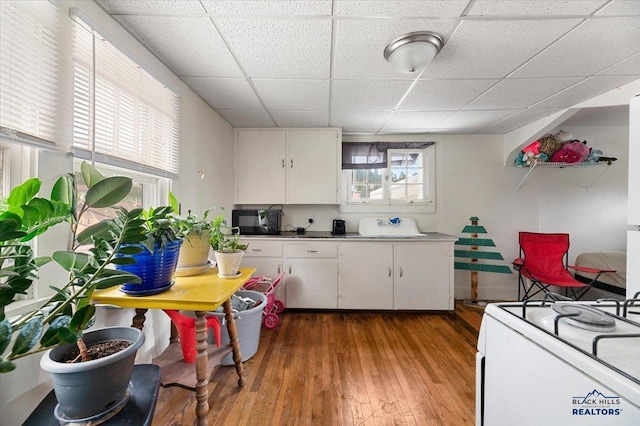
(287, 166)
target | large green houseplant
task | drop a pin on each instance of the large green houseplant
(60, 320)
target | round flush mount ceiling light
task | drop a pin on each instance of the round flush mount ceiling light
(412, 52)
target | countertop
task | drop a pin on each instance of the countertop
(285, 235)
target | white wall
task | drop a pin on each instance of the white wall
(206, 144)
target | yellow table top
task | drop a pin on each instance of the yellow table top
(204, 292)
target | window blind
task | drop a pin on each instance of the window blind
(373, 155)
(29, 73)
(122, 115)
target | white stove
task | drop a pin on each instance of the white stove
(559, 363)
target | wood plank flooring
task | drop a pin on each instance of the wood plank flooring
(346, 368)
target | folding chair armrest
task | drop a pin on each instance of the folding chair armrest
(518, 263)
(590, 270)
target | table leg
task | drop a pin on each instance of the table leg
(138, 319)
(202, 391)
(234, 341)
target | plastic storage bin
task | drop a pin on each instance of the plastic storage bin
(248, 324)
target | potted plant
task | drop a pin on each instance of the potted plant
(196, 233)
(227, 248)
(60, 321)
(157, 256)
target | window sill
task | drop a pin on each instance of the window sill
(387, 208)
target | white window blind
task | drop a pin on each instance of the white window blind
(122, 114)
(29, 102)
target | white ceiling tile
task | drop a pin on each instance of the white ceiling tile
(361, 120)
(454, 131)
(406, 8)
(474, 119)
(301, 118)
(168, 38)
(534, 7)
(225, 93)
(630, 66)
(294, 95)
(289, 48)
(518, 120)
(586, 89)
(156, 7)
(414, 120)
(360, 44)
(268, 7)
(367, 95)
(247, 118)
(621, 7)
(520, 93)
(443, 95)
(591, 47)
(486, 49)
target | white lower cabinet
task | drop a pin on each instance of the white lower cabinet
(312, 275)
(266, 257)
(409, 276)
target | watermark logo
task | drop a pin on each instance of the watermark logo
(595, 403)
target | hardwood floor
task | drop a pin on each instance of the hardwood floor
(346, 368)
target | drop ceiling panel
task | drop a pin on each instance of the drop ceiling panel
(629, 66)
(397, 8)
(280, 48)
(534, 7)
(294, 95)
(187, 45)
(367, 95)
(360, 44)
(155, 7)
(360, 121)
(519, 119)
(586, 89)
(520, 93)
(474, 119)
(301, 118)
(486, 49)
(621, 7)
(225, 93)
(268, 7)
(443, 95)
(590, 48)
(415, 120)
(247, 118)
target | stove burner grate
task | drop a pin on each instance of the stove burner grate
(585, 317)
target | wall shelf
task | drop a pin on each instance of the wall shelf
(557, 165)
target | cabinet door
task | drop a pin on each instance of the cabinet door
(312, 166)
(423, 276)
(312, 283)
(268, 266)
(260, 166)
(365, 279)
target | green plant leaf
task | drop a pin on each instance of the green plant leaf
(82, 317)
(69, 259)
(6, 366)
(90, 175)
(51, 337)
(173, 202)
(28, 337)
(5, 335)
(123, 261)
(108, 192)
(22, 194)
(128, 250)
(63, 190)
(116, 279)
(96, 230)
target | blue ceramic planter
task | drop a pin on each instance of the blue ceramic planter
(156, 269)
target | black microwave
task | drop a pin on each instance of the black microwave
(257, 222)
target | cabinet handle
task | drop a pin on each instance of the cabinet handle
(283, 163)
(279, 268)
(292, 163)
(312, 251)
(289, 269)
(389, 271)
(400, 271)
(255, 249)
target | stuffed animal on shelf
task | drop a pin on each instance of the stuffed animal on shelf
(571, 152)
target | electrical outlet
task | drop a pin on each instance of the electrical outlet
(310, 220)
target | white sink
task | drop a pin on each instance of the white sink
(388, 227)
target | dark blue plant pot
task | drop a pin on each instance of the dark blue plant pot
(156, 269)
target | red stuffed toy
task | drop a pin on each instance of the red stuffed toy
(571, 152)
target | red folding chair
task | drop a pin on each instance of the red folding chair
(543, 262)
